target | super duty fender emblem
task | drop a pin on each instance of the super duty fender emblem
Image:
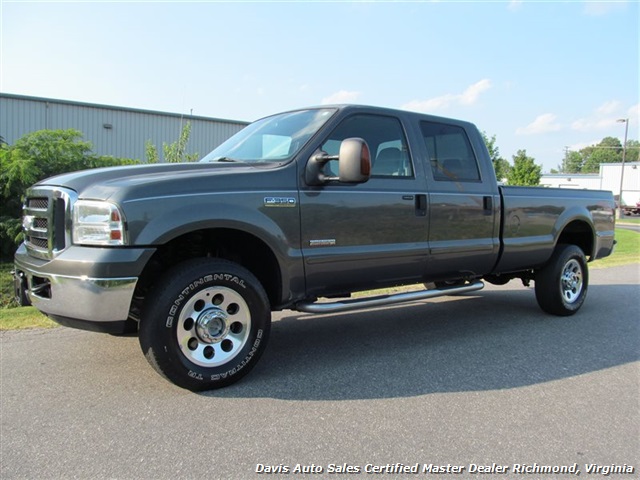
(325, 242)
(280, 201)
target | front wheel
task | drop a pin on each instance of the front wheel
(206, 324)
(561, 285)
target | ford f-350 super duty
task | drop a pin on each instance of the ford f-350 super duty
(294, 212)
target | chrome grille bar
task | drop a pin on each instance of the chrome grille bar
(44, 220)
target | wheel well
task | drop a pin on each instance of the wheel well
(233, 245)
(578, 233)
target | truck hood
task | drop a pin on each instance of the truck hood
(139, 181)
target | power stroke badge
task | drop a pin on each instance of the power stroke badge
(280, 201)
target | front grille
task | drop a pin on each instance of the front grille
(41, 243)
(40, 223)
(38, 203)
(43, 221)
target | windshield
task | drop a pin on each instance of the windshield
(272, 139)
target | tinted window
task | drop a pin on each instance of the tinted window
(386, 140)
(450, 154)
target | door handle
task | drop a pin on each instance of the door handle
(487, 205)
(421, 205)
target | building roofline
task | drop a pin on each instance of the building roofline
(576, 175)
(14, 96)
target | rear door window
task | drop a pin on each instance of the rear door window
(450, 154)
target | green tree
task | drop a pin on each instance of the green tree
(573, 162)
(175, 152)
(34, 157)
(10, 226)
(151, 152)
(525, 171)
(612, 144)
(633, 151)
(608, 150)
(500, 164)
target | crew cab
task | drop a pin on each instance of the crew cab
(296, 211)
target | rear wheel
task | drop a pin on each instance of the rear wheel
(561, 285)
(206, 325)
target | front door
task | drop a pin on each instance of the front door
(367, 235)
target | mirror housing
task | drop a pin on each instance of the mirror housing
(354, 163)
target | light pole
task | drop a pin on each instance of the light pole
(624, 156)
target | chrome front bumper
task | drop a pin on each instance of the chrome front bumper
(73, 288)
(83, 298)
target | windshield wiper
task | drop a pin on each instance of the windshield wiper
(225, 159)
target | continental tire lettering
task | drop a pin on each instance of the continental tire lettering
(195, 375)
(174, 309)
(244, 362)
(227, 277)
(178, 300)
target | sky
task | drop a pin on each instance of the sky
(542, 76)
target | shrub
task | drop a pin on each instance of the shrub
(34, 157)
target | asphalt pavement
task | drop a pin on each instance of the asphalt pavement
(480, 380)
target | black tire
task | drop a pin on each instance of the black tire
(561, 285)
(205, 324)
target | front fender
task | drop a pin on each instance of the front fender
(160, 220)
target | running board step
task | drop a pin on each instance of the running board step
(382, 300)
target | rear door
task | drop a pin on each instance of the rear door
(370, 234)
(463, 201)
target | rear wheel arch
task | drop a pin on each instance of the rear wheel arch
(579, 233)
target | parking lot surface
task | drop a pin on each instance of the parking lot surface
(483, 379)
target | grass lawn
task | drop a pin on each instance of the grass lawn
(20, 317)
(626, 251)
(12, 318)
(23, 317)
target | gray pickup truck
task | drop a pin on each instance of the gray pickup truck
(297, 211)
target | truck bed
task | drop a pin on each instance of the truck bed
(534, 217)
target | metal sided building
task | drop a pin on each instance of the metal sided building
(113, 131)
(610, 177)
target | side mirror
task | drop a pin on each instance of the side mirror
(354, 164)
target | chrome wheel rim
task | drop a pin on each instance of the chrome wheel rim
(213, 326)
(571, 281)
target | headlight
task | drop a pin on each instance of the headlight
(97, 223)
